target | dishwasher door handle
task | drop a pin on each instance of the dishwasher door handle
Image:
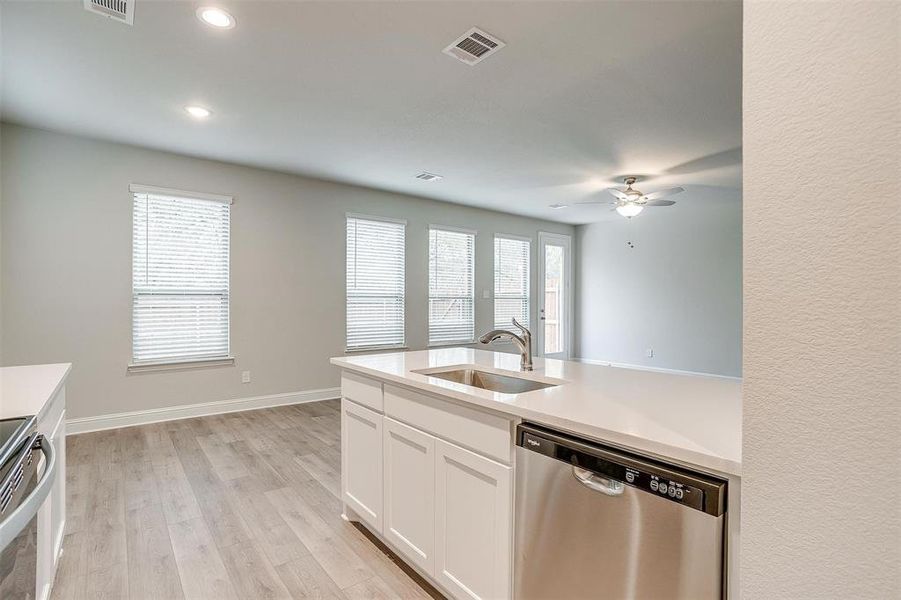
(595, 482)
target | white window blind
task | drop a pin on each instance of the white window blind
(375, 283)
(511, 281)
(451, 299)
(180, 284)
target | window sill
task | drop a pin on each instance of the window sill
(451, 344)
(181, 365)
(374, 349)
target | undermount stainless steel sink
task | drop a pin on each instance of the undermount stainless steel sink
(488, 381)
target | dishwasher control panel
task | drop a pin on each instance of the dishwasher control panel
(663, 481)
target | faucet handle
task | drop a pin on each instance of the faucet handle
(521, 327)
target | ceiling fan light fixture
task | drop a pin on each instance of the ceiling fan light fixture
(629, 209)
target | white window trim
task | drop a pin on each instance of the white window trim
(472, 340)
(453, 229)
(461, 343)
(353, 215)
(137, 188)
(179, 364)
(375, 349)
(152, 366)
(518, 238)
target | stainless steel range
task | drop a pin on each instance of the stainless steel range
(22, 491)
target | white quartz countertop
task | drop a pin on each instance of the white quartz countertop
(24, 391)
(692, 419)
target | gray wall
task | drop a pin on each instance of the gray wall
(66, 268)
(822, 266)
(1, 244)
(677, 291)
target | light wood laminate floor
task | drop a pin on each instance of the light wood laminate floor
(242, 505)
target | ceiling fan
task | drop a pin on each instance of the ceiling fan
(629, 202)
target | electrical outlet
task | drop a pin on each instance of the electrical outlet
(245, 376)
(650, 353)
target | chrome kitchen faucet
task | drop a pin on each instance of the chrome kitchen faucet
(524, 342)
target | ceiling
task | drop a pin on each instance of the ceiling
(360, 92)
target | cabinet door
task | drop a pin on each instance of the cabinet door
(473, 497)
(361, 462)
(410, 493)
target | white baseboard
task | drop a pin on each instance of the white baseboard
(607, 363)
(185, 411)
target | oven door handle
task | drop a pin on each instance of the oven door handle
(22, 515)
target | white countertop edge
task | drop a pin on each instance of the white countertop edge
(689, 458)
(10, 410)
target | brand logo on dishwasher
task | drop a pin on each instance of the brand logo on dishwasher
(532, 442)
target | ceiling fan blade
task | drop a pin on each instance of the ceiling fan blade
(617, 193)
(660, 203)
(593, 202)
(663, 193)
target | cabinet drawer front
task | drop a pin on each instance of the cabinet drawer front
(485, 433)
(362, 390)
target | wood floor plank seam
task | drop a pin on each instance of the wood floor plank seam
(234, 506)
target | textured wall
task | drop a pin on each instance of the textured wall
(676, 289)
(66, 268)
(820, 497)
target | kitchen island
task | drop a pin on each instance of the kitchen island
(423, 456)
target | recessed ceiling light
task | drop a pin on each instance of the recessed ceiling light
(426, 176)
(215, 17)
(198, 112)
(559, 206)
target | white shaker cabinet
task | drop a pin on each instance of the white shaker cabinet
(473, 523)
(361, 462)
(410, 493)
(408, 476)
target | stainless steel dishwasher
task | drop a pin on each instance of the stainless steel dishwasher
(596, 522)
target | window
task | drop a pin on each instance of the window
(451, 299)
(511, 281)
(375, 283)
(180, 245)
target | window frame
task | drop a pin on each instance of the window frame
(528, 296)
(177, 363)
(430, 297)
(403, 344)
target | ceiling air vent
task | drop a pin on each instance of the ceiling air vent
(118, 10)
(474, 46)
(426, 176)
